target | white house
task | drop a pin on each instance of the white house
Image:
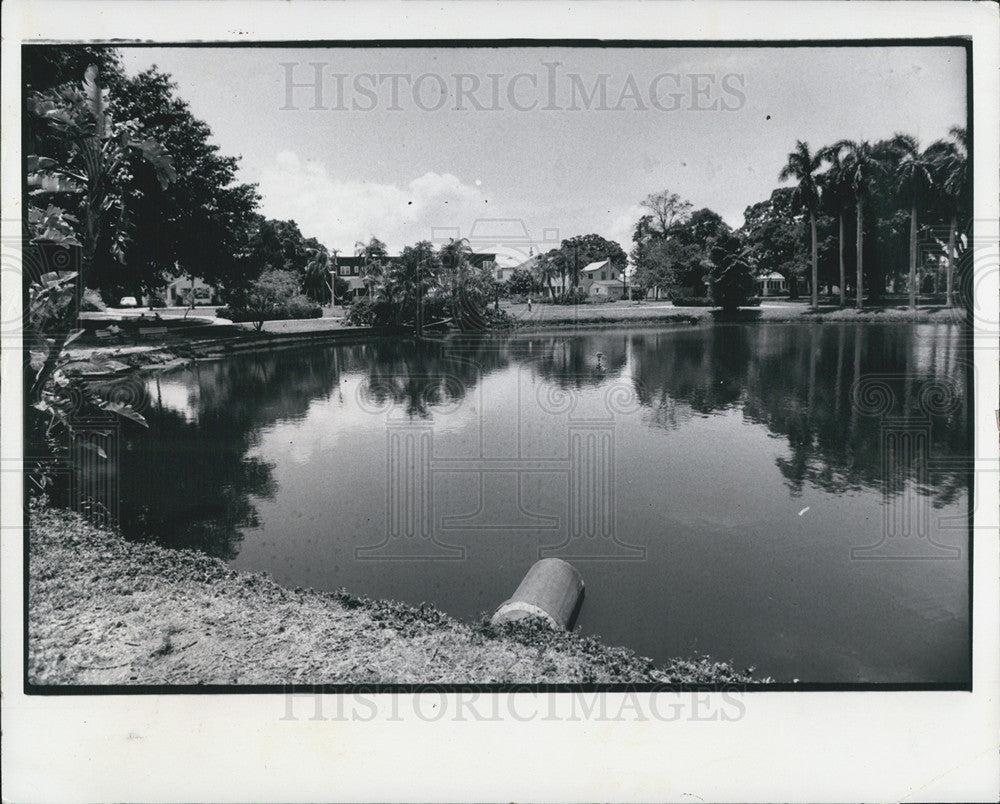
(602, 279)
(179, 289)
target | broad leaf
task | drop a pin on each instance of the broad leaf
(93, 448)
(72, 337)
(125, 411)
(159, 158)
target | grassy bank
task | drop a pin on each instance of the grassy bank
(106, 611)
(655, 313)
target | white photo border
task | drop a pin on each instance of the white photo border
(808, 746)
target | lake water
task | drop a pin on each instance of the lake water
(788, 496)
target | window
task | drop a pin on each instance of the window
(602, 275)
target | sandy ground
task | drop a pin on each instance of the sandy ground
(106, 611)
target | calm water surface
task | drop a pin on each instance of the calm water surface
(792, 497)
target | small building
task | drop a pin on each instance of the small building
(179, 290)
(606, 289)
(351, 270)
(604, 272)
(772, 284)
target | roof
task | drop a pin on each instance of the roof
(772, 275)
(478, 258)
(529, 264)
(595, 266)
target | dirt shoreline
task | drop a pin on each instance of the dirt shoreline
(103, 610)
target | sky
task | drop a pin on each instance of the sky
(518, 148)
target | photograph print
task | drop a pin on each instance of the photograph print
(565, 364)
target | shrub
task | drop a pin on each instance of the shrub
(521, 283)
(274, 296)
(362, 312)
(571, 296)
(706, 301)
(691, 301)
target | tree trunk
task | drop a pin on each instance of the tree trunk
(951, 261)
(860, 245)
(913, 257)
(419, 318)
(815, 262)
(843, 275)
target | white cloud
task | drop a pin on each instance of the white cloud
(623, 226)
(339, 213)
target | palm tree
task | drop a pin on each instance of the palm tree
(836, 192)
(317, 275)
(802, 166)
(861, 167)
(915, 181)
(373, 254)
(455, 261)
(951, 170)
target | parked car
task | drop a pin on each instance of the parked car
(128, 301)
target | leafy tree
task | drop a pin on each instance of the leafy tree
(771, 233)
(581, 250)
(275, 294)
(666, 210)
(803, 166)
(731, 273)
(680, 257)
(201, 224)
(278, 245)
(198, 224)
(522, 283)
(45, 67)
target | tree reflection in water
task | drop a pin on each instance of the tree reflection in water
(191, 479)
(808, 383)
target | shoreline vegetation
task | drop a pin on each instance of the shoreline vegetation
(104, 611)
(164, 354)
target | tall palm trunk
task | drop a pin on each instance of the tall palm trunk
(951, 261)
(913, 257)
(815, 261)
(418, 321)
(860, 245)
(840, 251)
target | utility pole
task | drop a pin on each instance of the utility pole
(333, 279)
